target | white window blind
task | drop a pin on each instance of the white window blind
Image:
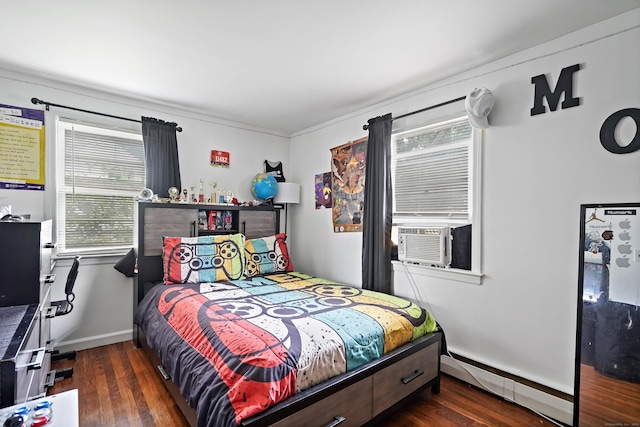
(431, 171)
(99, 172)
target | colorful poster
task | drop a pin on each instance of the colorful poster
(612, 254)
(348, 166)
(323, 190)
(21, 148)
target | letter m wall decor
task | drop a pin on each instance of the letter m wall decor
(564, 86)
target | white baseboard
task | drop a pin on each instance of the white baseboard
(554, 407)
(95, 341)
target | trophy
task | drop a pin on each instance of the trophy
(213, 185)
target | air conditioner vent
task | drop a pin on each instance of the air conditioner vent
(424, 245)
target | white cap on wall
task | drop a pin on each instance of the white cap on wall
(479, 104)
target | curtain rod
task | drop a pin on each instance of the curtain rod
(365, 127)
(50, 104)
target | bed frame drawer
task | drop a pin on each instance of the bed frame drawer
(352, 403)
(404, 377)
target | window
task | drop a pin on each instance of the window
(99, 172)
(430, 168)
(436, 177)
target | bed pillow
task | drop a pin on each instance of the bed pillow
(203, 259)
(267, 255)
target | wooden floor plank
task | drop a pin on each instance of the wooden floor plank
(127, 412)
(136, 374)
(118, 387)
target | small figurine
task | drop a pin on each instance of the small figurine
(174, 193)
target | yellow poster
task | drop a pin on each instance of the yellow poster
(21, 148)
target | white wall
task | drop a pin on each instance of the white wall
(537, 170)
(103, 312)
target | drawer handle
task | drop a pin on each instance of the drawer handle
(37, 364)
(336, 420)
(163, 372)
(50, 379)
(50, 312)
(50, 245)
(415, 375)
(50, 278)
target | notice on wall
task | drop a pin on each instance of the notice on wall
(21, 148)
(220, 158)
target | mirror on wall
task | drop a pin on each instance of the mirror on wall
(607, 375)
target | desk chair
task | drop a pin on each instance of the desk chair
(64, 307)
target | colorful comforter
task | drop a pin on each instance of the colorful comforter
(237, 347)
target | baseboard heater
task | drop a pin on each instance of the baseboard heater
(545, 400)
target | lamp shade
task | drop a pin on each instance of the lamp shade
(288, 192)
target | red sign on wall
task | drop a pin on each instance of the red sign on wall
(220, 158)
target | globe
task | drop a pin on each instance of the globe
(264, 186)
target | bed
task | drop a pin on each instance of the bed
(241, 339)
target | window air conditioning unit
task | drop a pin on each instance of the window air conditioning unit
(424, 245)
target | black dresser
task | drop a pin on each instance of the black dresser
(25, 262)
(25, 284)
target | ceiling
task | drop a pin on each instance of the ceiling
(282, 65)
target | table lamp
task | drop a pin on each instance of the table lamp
(287, 193)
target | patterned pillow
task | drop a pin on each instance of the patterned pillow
(267, 255)
(203, 259)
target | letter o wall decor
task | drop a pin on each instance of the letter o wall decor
(607, 132)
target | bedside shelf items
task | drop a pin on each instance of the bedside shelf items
(192, 220)
(217, 221)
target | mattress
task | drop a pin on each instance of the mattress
(238, 347)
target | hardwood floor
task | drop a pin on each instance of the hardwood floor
(117, 387)
(606, 401)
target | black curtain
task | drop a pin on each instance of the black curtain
(161, 155)
(377, 221)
